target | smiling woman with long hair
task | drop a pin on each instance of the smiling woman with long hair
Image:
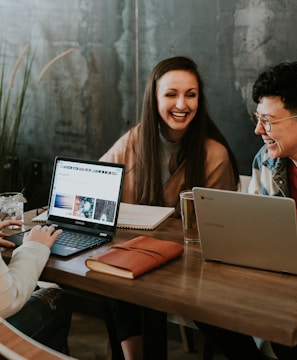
(175, 146)
(182, 129)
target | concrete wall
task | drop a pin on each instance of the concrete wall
(87, 100)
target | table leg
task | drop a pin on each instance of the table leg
(154, 330)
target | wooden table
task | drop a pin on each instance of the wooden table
(253, 302)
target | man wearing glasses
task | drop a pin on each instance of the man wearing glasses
(275, 165)
(274, 173)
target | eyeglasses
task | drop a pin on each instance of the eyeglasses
(255, 117)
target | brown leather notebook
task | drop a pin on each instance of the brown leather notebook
(135, 257)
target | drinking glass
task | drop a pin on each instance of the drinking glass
(12, 207)
(189, 221)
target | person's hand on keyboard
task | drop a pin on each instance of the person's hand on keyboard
(43, 234)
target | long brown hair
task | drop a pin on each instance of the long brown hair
(149, 189)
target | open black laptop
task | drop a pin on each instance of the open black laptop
(84, 201)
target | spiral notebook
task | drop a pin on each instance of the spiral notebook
(142, 217)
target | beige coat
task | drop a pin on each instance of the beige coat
(219, 173)
(18, 279)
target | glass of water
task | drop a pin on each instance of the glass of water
(12, 206)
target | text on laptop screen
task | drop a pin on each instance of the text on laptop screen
(85, 191)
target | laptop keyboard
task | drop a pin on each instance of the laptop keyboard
(79, 241)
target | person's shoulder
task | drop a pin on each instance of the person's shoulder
(216, 153)
(212, 142)
(126, 139)
(132, 133)
(262, 158)
(262, 153)
(123, 147)
(215, 147)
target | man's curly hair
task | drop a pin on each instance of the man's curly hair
(279, 80)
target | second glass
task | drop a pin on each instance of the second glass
(189, 221)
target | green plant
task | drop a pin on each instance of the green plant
(11, 108)
(12, 100)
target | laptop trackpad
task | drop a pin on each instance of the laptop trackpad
(63, 250)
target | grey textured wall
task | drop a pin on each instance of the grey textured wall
(90, 98)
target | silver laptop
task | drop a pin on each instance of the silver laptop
(84, 202)
(247, 230)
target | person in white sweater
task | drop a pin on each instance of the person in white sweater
(41, 313)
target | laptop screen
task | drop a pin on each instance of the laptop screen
(85, 193)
